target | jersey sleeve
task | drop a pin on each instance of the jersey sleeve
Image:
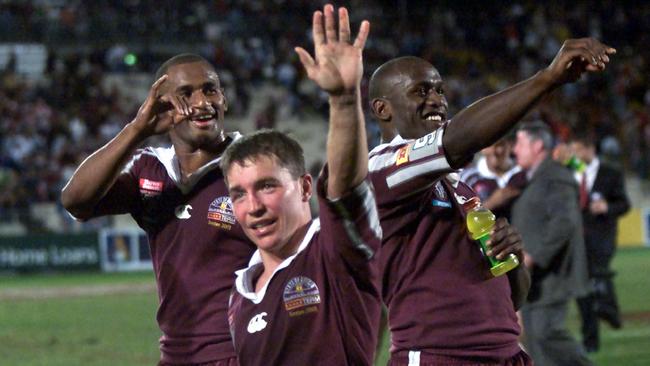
(401, 169)
(123, 196)
(350, 225)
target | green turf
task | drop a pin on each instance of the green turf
(121, 329)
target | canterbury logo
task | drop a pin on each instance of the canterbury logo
(257, 323)
(183, 212)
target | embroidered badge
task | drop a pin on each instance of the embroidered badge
(402, 155)
(220, 213)
(150, 187)
(301, 296)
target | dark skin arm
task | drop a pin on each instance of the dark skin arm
(505, 240)
(95, 176)
(488, 119)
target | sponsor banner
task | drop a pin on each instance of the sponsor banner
(46, 252)
(124, 250)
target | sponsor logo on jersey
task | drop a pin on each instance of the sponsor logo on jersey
(257, 323)
(183, 212)
(150, 187)
(441, 199)
(301, 296)
(220, 213)
(402, 156)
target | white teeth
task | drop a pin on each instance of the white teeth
(434, 118)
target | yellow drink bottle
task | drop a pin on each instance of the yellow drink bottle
(480, 222)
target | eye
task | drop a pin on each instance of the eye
(268, 187)
(440, 90)
(210, 90)
(423, 91)
(236, 196)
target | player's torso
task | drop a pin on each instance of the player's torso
(196, 247)
(303, 318)
(437, 283)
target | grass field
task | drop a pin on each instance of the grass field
(51, 320)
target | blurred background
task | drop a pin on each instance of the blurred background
(73, 73)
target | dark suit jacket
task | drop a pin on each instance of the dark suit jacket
(600, 230)
(548, 217)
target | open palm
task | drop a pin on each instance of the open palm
(338, 66)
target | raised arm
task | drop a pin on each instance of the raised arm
(486, 120)
(95, 176)
(337, 69)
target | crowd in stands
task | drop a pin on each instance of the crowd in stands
(50, 123)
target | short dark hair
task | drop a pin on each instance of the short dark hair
(538, 130)
(266, 143)
(586, 137)
(183, 58)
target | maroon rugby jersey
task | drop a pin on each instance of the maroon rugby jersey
(322, 305)
(484, 182)
(196, 246)
(441, 297)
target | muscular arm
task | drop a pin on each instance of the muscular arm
(485, 121)
(347, 150)
(97, 173)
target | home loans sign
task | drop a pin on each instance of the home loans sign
(49, 252)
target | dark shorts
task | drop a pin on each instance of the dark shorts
(402, 359)
(225, 362)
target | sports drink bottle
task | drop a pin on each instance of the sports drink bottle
(480, 222)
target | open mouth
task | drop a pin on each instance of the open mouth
(436, 117)
(263, 227)
(204, 120)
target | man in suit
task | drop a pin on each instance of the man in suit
(603, 201)
(548, 217)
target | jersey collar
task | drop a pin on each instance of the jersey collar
(245, 277)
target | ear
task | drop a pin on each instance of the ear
(225, 103)
(306, 183)
(381, 109)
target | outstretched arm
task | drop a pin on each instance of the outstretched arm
(486, 120)
(337, 68)
(95, 176)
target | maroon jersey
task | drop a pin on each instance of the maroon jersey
(442, 299)
(484, 182)
(322, 305)
(196, 246)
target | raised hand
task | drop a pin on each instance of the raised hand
(156, 115)
(337, 67)
(576, 57)
(504, 240)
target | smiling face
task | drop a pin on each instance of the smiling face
(198, 84)
(269, 203)
(414, 94)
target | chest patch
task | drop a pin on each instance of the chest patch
(301, 296)
(150, 187)
(220, 213)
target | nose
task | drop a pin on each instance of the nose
(435, 99)
(255, 206)
(199, 99)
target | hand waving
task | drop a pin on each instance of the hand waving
(337, 67)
